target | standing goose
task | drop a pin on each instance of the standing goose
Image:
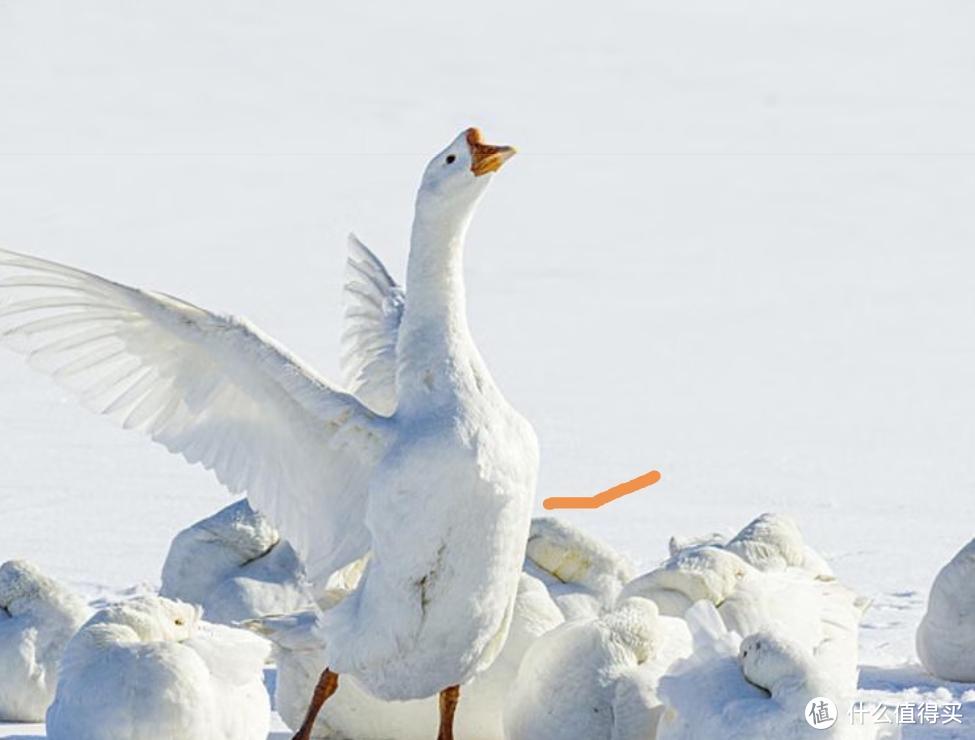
(439, 489)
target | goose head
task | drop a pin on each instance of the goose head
(20, 582)
(152, 618)
(767, 660)
(456, 178)
(633, 627)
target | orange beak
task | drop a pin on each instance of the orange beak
(486, 157)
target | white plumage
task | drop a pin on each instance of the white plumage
(596, 679)
(701, 573)
(235, 565)
(148, 669)
(439, 491)
(211, 388)
(374, 306)
(789, 592)
(774, 542)
(754, 688)
(946, 634)
(821, 616)
(37, 618)
(769, 542)
(353, 713)
(583, 575)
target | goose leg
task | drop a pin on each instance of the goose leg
(327, 684)
(448, 705)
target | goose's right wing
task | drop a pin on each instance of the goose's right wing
(211, 388)
(373, 311)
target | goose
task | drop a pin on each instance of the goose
(236, 566)
(596, 679)
(783, 586)
(945, 638)
(583, 575)
(149, 668)
(438, 492)
(38, 616)
(771, 541)
(353, 713)
(758, 687)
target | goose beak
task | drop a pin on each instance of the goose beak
(486, 158)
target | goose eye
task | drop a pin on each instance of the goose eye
(450, 158)
(179, 622)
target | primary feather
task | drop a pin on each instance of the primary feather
(374, 306)
(211, 388)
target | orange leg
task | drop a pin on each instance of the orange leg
(326, 686)
(448, 705)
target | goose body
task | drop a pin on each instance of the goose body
(352, 712)
(583, 575)
(236, 566)
(596, 679)
(783, 585)
(434, 604)
(753, 688)
(149, 669)
(436, 489)
(946, 635)
(37, 618)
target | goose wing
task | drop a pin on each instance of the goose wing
(212, 388)
(373, 311)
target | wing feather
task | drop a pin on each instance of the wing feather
(373, 311)
(211, 388)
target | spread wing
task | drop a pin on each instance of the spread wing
(211, 388)
(373, 310)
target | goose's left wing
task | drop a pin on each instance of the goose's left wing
(211, 388)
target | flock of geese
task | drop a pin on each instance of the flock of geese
(386, 549)
(593, 649)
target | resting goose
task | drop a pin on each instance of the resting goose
(149, 668)
(439, 491)
(236, 566)
(946, 636)
(37, 618)
(781, 585)
(774, 542)
(758, 687)
(583, 575)
(596, 679)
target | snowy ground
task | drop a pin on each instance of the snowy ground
(737, 247)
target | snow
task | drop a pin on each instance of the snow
(735, 247)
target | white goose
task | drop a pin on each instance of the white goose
(766, 576)
(596, 679)
(440, 491)
(946, 635)
(149, 668)
(37, 618)
(352, 713)
(236, 566)
(753, 688)
(583, 575)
